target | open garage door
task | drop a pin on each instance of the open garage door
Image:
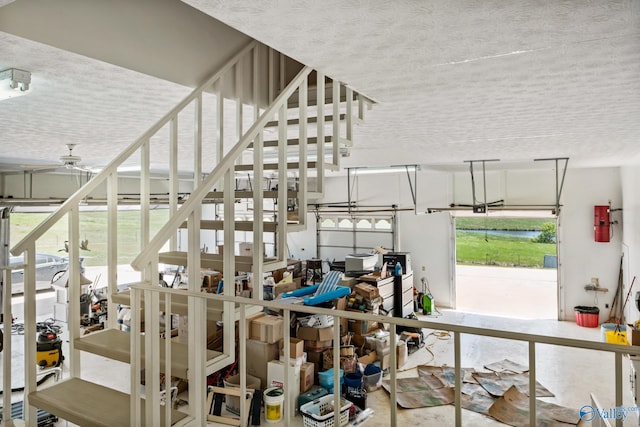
(507, 266)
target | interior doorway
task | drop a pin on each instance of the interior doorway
(506, 264)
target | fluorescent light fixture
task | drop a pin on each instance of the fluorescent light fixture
(385, 169)
(14, 82)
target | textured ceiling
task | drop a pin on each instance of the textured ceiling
(453, 81)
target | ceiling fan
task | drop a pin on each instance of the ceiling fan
(68, 161)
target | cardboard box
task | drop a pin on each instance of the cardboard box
(315, 334)
(306, 376)
(362, 327)
(281, 288)
(317, 345)
(633, 336)
(267, 328)
(367, 359)
(367, 291)
(315, 357)
(250, 319)
(261, 353)
(210, 280)
(296, 347)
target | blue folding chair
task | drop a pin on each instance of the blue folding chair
(323, 292)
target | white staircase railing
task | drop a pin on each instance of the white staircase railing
(254, 59)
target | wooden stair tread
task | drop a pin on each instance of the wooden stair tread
(274, 166)
(311, 119)
(116, 345)
(248, 194)
(293, 141)
(209, 224)
(212, 261)
(90, 405)
(178, 304)
(312, 96)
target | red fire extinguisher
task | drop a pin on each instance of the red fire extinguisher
(601, 223)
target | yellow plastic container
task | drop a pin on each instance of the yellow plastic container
(614, 337)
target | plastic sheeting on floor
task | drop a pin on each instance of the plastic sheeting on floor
(501, 393)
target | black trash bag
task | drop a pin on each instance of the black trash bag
(586, 309)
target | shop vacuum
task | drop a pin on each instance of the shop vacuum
(48, 349)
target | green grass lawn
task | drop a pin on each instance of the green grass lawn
(93, 227)
(472, 248)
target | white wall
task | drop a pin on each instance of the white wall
(58, 185)
(581, 258)
(630, 177)
(429, 236)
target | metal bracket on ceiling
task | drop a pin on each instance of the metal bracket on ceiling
(559, 181)
(357, 171)
(484, 207)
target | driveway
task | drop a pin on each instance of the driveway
(528, 293)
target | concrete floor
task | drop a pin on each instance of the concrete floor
(525, 293)
(570, 374)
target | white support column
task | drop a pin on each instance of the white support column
(74, 290)
(618, 373)
(173, 176)
(112, 245)
(229, 263)
(320, 145)
(30, 333)
(303, 96)
(393, 362)
(167, 359)
(197, 141)
(196, 320)
(360, 107)
(335, 137)
(532, 383)
(286, 314)
(457, 361)
(238, 70)
(145, 191)
(281, 238)
(255, 79)
(282, 71)
(337, 403)
(136, 359)
(349, 114)
(6, 344)
(271, 74)
(220, 122)
(243, 362)
(258, 215)
(458, 383)
(152, 350)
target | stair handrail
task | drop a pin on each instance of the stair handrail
(112, 167)
(151, 250)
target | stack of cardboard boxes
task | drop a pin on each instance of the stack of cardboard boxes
(312, 345)
(265, 331)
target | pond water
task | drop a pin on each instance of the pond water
(524, 234)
